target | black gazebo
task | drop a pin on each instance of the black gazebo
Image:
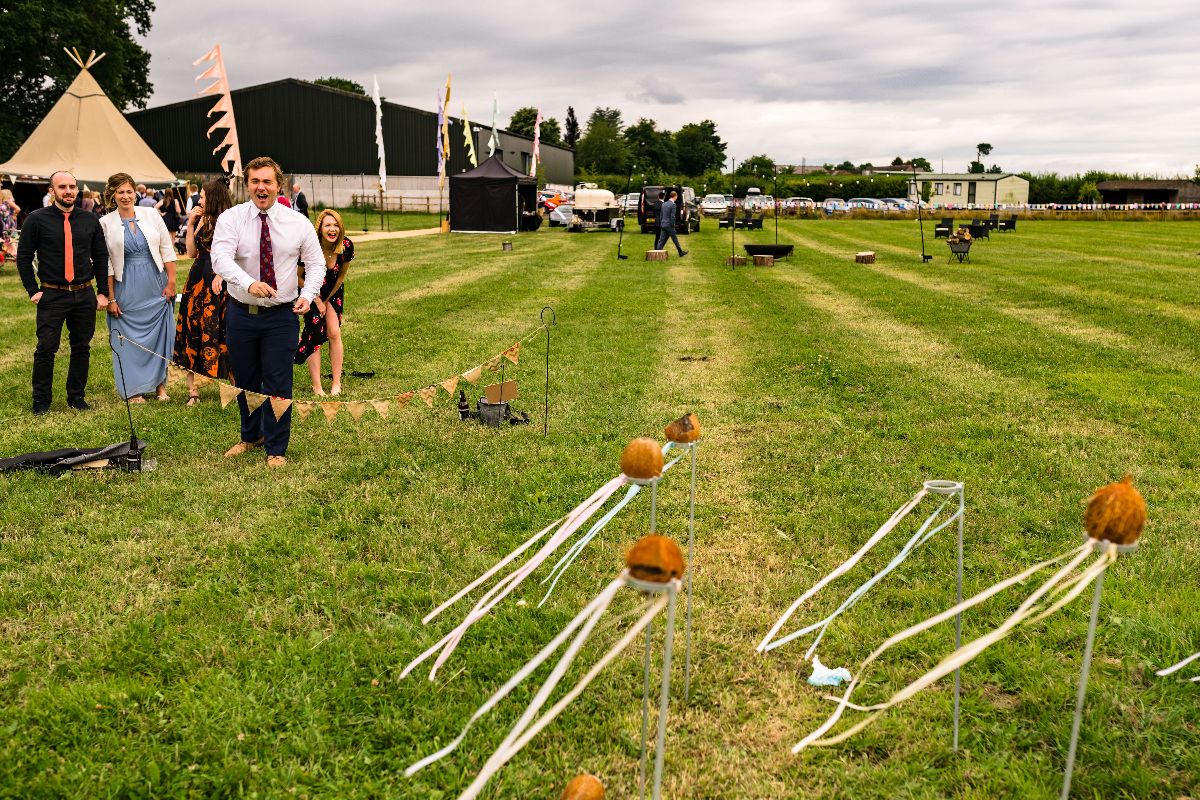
(491, 198)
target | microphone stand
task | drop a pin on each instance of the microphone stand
(133, 459)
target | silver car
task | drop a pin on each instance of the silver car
(561, 215)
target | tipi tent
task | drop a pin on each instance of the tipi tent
(85, 134)
(490, 198)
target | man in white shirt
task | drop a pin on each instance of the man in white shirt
(255, 248)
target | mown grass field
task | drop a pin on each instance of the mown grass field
(212, 630)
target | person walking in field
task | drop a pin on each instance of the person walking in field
(666, 224)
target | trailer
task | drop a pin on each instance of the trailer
(595, 209)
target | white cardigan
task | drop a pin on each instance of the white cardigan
(161, 243)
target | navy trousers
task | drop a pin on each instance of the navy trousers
(262, 349)
(661, 239)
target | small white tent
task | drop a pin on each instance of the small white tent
(85, 134)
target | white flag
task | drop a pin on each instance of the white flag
(379, 138)
(494, 142)
(537, 139)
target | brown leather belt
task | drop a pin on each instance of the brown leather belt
(66, 287)
(259, 309)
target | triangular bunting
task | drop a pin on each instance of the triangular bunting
(472, 375)
(449, 384)
(304, 408)
(381, 407)
(202, 380)
(331, 410)
(428, 393)
(280, 405)
(254, 400)
(512, 352)
(492, 364)
(402, 400)
(356, 410)
(229, 393)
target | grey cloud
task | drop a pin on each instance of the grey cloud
(1066, 85)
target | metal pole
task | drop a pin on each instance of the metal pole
(362, 198)
(665, 694)
(553, 321)
(1081, 693)
(958, 595)
(733, 211)
(687, 650)
(653, 503)
(645, 712)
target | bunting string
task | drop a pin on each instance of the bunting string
(331, 408)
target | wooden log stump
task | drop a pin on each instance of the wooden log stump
(864, 258)
(764, 261)
(656, 255)
(735, 261)
(506, 246)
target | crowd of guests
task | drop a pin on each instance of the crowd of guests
(251, 263)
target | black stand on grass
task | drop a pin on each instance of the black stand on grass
(733, 213)
(133, 460)
(925, 257)
(546, 325)
(621, 233)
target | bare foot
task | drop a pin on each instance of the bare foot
(336, 390)
(137, 398)
(318, 391)
(162, 398)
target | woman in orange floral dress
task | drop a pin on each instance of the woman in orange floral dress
(200, 330)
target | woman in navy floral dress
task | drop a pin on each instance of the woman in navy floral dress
(323, 322)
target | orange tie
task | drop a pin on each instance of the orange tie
(68, 248)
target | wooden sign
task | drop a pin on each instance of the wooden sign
(498, 392)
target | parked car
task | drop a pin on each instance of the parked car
(754, 200)
(835, 205)
(687, 211)
(898, 204)
(869, 203)
(561, 215)
(802, 203)
(629, 202)
(714, 205)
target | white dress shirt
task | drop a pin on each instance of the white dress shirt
(293, 239)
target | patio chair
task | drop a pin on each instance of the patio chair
(979, 230)
(993, 222)
(943, 228)
(1009, 224)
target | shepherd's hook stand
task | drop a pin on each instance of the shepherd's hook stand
(664, 698)
(1081, 691)
(691, 447)
(950, 488)
(546, 325)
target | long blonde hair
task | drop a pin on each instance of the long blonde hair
(116, 181)
(327, 247)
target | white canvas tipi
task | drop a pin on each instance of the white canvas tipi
(85, 134)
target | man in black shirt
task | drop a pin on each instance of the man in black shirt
(71, 253)
(299, 201)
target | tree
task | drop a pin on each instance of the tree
(34, 71)
(651, 147)
(995, 169)
(922, 163)
(1088, 193)
(760, 167)
(982, 149)
(524, 120)
(847, 166)
(571, 129)
(897, 162)
(698, 148)
(345, 84)
(976, 167)
(602, 148)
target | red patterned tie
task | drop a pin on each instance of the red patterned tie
(266, 254)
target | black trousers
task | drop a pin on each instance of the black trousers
(262, 349)
(661, 239)
(78, 311)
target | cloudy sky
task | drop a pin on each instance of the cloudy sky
(1053, 85)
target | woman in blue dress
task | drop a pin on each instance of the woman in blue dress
(141, 281)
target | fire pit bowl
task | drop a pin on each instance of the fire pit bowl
(776, 250)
